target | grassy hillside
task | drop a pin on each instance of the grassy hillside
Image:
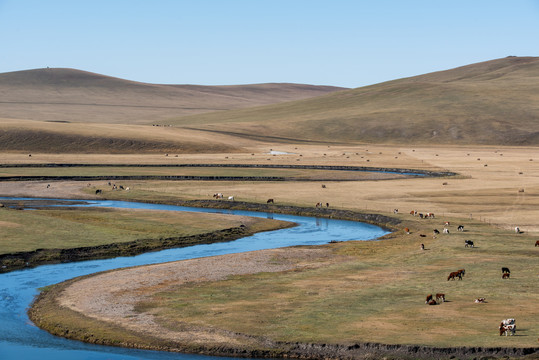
(79, 96)
(494, 102)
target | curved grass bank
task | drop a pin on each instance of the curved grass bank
(89, 233)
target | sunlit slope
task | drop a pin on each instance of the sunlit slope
(79, 96)
(493, 102)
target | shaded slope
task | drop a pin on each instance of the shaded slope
(494, 102)
(79, 96)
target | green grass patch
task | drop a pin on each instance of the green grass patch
(29, 230)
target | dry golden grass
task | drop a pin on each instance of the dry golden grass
(487, 193)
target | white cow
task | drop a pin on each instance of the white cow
(508, 322)
(231, 198)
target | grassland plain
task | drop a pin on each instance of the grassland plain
(364, 291)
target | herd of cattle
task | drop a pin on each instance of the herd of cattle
(507, 326)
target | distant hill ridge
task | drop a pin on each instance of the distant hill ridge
(58, 94)
(493, 102)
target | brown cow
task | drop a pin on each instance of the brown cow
(441, 297)
(433, 302)
(429, 298)
(454, 275)
(537, 243)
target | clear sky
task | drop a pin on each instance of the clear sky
(347, 43)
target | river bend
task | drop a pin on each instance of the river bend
(20, 339)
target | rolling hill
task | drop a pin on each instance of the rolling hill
(69, 95)
(494, 102)
(64, 110)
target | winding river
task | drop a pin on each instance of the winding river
(20, 339)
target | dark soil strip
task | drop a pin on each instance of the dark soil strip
(19, 260)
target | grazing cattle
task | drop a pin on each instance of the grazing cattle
(327, 205)
(507, 329)
(506, 276)
(460, 228)
(454, 275)
(323, 186)
(446, 231)
(446, 223)
(421, 215)
(121, 187)
(436, 232)
(413, 212)
(422, 246)
(441, 297)
(505, 270)
(270, 201)
(468, 243)
(429, 215)
(517, 229)
(48, 186)
(98, 191)
(537, 243)
(406, 230)
(422, 235)
(395, 211)
(480, 301)
(127, 188)
(462, 272)
(432, 302)
(218, 196)
(429, 298)
(231, 198)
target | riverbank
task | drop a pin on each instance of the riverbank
(19, 260)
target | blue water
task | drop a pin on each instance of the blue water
(20, 339)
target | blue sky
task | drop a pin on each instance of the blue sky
(210, 42)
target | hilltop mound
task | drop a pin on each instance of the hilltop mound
(80, 96)
(493, 102)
